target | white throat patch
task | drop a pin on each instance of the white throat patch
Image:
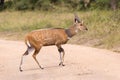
(76, 31)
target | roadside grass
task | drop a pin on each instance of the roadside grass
(104, 26)
(14, 23)
(104, 30)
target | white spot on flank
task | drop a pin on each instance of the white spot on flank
(28, 44)
(68, 38)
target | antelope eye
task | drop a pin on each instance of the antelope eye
(81, 24)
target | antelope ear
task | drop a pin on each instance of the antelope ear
(77, 20)
(82, 22)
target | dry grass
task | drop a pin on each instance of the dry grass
(104, 29)
(14, 25)
(21, 20)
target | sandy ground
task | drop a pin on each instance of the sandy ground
(82, 63)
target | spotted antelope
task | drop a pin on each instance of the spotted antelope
(52, 36)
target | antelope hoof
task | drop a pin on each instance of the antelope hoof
(20, 69)
(41, 68)
(61, 64)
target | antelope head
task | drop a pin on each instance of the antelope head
(79, 25)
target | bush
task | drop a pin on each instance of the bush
(43, 5)
(46, 5)
(24, 4)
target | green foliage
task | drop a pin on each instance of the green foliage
(103, 29)
(101, 4)
(48, 5)
(24, 4)
(43, 5)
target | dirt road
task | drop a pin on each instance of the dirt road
(82, 63)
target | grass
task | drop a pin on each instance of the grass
(104, 26)
(16, 23)
(104, 30)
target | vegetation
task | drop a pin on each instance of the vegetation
(102, 17)
(104, 29)
(66, 5)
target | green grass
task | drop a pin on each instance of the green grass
(104, 30)
(104, 26)
(27, 21)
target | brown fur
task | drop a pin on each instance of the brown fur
(52, 36)
(46, 37)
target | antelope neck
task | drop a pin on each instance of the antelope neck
(70, 31)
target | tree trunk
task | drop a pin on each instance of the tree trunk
(86, 3)
(113, 4)
(1, 2)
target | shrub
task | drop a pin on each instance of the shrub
(46, 5)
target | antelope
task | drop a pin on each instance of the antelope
(51, 36)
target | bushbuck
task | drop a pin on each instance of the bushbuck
(51, 36)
